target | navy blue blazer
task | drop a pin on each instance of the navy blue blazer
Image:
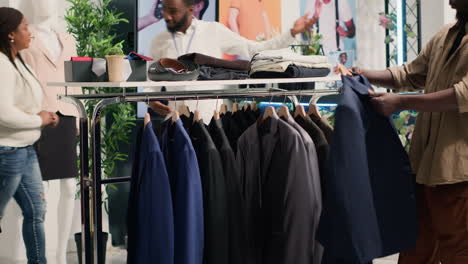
(187, 197)
(369, 209)
(154, 237)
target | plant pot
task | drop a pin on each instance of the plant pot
(115, 67)
(105, 237)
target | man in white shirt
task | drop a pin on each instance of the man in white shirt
(155, 13)
(186, 34)
(331, 11)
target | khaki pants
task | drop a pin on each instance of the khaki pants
(443, 226)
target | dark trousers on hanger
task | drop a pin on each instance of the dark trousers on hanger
(443, 226)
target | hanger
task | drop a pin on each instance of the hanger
(313, 110)
(300, 111)
(284, 111)
(175, 116)
(184, 110)
(235, 107)
(147, 119)
(175, 113)
(254, 105)
(270, 112)
(246, 106)
(196, 115)
(216, 112)
(224, 109)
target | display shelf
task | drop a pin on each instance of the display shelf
(194, 83)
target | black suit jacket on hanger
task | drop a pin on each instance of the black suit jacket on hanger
(214, 195)
(232, 129)
(325, 126)
(231, 176)
(277, 195)
(321, 144)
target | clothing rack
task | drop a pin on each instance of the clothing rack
(91, 184)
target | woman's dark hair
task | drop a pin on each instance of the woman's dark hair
(10, 19)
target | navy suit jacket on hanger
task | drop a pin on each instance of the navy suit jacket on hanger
(187, 197)
(369, 208)
(151, 219)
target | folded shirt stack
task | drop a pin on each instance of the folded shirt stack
(218, 69)
(287, 64)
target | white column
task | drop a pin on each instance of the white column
(434, 15)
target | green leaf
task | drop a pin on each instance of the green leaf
(409, 31)
(92, 22)
(388, 39)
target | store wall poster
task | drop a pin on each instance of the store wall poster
(339, 36)
(252, 19)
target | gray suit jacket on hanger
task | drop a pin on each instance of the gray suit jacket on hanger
(277, 195)
(314, 174)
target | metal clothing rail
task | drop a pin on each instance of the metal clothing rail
(90, 185)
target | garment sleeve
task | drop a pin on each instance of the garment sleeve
(346, 14)
(461, 91)
(235, 4)
(412, 76)
(301, 208)
(234, 44)
(11, 116)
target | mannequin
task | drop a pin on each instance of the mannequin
(49, 49)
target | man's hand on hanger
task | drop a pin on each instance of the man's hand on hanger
(160, 108)
(342, 70)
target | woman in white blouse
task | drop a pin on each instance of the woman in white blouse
(21, 120)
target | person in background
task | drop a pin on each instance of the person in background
(344, 58)
(186, 34)
(155, 14)
(21, 120)
(439, 147)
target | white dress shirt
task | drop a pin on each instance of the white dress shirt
(212, 39)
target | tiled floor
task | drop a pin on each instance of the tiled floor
(388, 260)
(117, 256)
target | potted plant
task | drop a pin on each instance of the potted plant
(92, 24)
(311, 44)
(115, 63)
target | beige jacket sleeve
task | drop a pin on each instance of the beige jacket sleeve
(412, 76)
(461, 91)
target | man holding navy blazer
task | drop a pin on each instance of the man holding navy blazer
(439, 148)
